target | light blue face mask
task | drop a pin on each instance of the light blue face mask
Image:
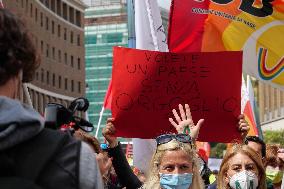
(175, 181)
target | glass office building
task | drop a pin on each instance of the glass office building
(105, 27)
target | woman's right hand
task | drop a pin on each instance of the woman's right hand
(185, 120)
(108, 132)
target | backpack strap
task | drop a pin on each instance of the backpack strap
(33, 155)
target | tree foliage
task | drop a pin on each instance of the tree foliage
(274, 137)
(270, 137)
(217, 150)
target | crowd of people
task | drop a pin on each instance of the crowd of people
(32, 156)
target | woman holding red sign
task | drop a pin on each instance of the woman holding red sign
(175, 163)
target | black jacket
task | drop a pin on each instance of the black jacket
(123, 170)
(26, 145)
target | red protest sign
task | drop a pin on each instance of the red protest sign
(147, 85)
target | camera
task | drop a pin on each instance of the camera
(58, 116)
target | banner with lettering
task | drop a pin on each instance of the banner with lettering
(147, 85)
(256, 27)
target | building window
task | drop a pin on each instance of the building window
(59, 7)
(36, 14)
(47, 50)
(71, 14)
(65, 58)
(31, 10)
(36, 42)
(112, 38)
(41, 46)
(37, 76)
(72, 85)
(47, 3)
(53, 80)
(59, 82)
(59, 55)
(78, 18)
(65, 34)
(46, 23)
(27, 6)
(79, 87)
(52, 27)
(41, 19)
(53, 5)
(66, 84)
(71, 37)
(79, 63)
(72, 61)
(78, 40)
(58, 30)
(91, 39)
(65, 11)
(42, 75)
(53, 53)
(47, 77)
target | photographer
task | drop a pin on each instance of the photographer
(31, 156)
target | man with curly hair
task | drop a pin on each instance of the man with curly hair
(30, 155)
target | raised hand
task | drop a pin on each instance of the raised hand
(185, 120)
(108, 132)
(243, 126)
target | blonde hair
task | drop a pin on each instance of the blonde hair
(246, 150)
(153, 179)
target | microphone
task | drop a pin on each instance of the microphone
(80, 104)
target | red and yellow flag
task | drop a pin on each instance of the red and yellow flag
(254, 26)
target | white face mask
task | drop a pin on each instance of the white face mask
(244, 180)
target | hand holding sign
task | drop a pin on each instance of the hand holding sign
(243, 126)
(109, 132)
(185, 120)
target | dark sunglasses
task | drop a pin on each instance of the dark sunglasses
(163, 139)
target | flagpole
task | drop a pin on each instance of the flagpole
(131, 24)
(100, 120)
(148, 37)
(152, 27)
(131, 44)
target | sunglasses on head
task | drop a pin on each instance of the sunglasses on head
(163, 139)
